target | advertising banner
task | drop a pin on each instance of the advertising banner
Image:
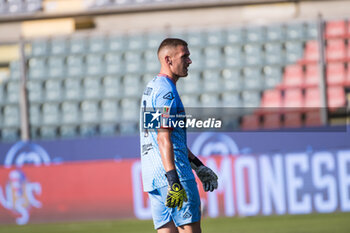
(71, 191)
(314, 177)
(294, 183)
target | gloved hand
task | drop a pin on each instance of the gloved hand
(208, 178)
(176, 193)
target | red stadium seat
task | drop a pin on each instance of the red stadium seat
(271, 102)
(272, 121)
(336, 97)
(271, 99)
(312, 75)
(312, 98)
(292, 120)
(347, 76)
(336, 50)
(311, 53)
(313, 118)
(336, 74)
(293, 100)
(293, 76)
(336, 29)
(250, 122)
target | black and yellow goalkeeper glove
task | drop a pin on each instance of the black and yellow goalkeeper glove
(176, 193)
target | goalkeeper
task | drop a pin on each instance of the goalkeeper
(166, 161)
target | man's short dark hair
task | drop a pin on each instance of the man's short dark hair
(171, 42)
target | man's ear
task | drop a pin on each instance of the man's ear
(168, 60)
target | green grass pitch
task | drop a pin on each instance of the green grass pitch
(315, 223)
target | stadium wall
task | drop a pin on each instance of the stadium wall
(259, 174)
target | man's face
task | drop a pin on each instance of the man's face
(180, 61)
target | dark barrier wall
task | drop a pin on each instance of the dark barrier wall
(259, 173)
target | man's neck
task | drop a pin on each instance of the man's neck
(170, 76)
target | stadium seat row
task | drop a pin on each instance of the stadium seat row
(337, 50)
(337, 29)
(87, 88)
(276, 121)
(301, 100)
(309, 75)
(73, 112)
(71, 131)
(20, 6)
(140, 62)
(56, 89)
(196, 38)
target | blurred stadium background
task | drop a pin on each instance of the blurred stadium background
(71, 77)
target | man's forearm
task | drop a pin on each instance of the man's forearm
(166, 150)
(176, 193)
(190, 154)
(194, 161)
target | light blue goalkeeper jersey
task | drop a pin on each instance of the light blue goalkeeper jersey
(160, 93)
